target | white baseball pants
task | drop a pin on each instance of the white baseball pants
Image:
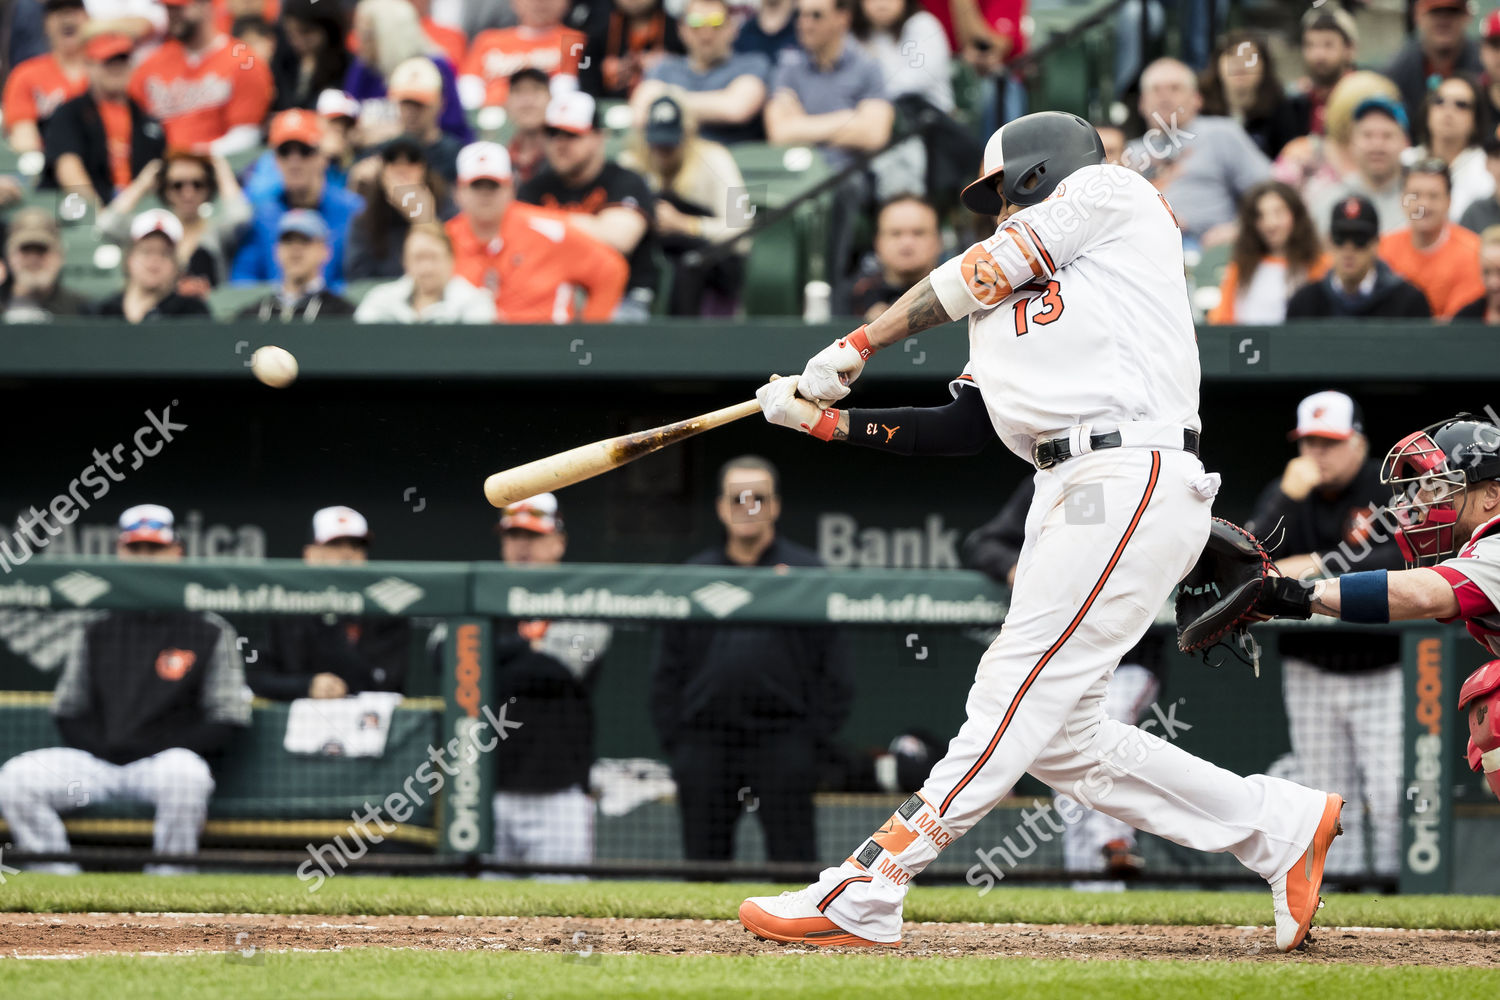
(1108, 537)
(37, 785)
(1346, 736)
(556, 827)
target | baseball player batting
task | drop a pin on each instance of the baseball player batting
(1083, 361)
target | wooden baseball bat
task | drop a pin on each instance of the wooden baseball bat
(589, 460)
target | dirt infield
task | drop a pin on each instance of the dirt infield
(38, 935)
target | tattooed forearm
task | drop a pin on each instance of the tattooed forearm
(917, 310)
(841, 429)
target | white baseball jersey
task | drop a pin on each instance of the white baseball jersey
(1098, 331)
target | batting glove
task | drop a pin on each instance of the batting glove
(780, 404)
(829, 373)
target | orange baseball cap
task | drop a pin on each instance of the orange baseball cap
(103, 48)
(296, 125)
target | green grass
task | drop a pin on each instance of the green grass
(371, 974)
(37, 893)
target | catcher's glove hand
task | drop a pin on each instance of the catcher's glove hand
(1234, 585)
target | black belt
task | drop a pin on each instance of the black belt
(1049, 453)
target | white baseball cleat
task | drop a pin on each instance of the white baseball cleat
(797, 918)
(1294, 896)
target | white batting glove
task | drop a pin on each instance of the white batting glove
(829, 372)
(780, 404)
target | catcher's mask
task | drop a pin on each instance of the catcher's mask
(1431, 471)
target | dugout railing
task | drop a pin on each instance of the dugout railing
(916, 634)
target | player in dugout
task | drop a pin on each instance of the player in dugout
(1084, 362)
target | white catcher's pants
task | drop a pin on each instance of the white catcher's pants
(1108, 537)
(35, 786)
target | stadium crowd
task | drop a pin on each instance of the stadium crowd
(296, 147)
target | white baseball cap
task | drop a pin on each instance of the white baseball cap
(481, 161)
(337, 104)
(418, 80)
(156, 220)
(1328, 414)
(538, 514)
(572, 111)
(148, 522)
(339, 522)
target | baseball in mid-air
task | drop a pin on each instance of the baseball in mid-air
(274, 366)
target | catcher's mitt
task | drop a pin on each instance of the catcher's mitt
(1234, 585)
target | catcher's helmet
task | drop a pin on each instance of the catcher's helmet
(1027, 158)
(1430, 470)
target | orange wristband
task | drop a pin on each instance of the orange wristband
(861, 343)
(827, 423)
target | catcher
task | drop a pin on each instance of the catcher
(1447, 509)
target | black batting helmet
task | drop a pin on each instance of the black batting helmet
(1430, 470)
(1026, 159)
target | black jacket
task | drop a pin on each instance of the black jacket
(730, 680)
(553, 700)
(995, 546)
(143, 682)
(77, 127)
(367, 652)
(1392, 297)
(1340, 529)
(172, 305)
(307, 309)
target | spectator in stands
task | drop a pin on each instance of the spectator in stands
(1343, 692)
(605, 200)
(700, 203)
(1241, 83)
(430, 291)
(546, 672)
(1321, 162)
(1438, 256)
(404, 191)
(1486, 308)
(315, 58)
(39, 86)
(528, 258)
(34, 258)
(389, 32)
(1113, 138)
(908, 244)
(1485, 212)
(770, 27)
(417, 89)
(1453, 128)
(625, 39)
(541, 42)
(722, 90)
(1440, 49)
(151, 273)
(297, 140)
(1358, 282)
(261, 40)
(831, 95)
(526, 112)
(340, 114)
(145, 700)
(97, 141)
(740, 709)
(205, 92)
(204, 195)
(1276, 252)
(1489, 57)
(330, 656)
(1330, 45)
(1202, 164)
(302, 251)
(1377, 140)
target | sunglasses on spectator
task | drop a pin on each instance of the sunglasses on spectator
(486, 184)
(813, 15)
(561, 133)
(294, 149)
(1358, 242)
(714, 20)
(1461, 103)
(186, 183)
(36, 248)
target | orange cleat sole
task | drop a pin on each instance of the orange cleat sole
(819, 931)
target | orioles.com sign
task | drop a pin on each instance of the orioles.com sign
(1425, 789)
